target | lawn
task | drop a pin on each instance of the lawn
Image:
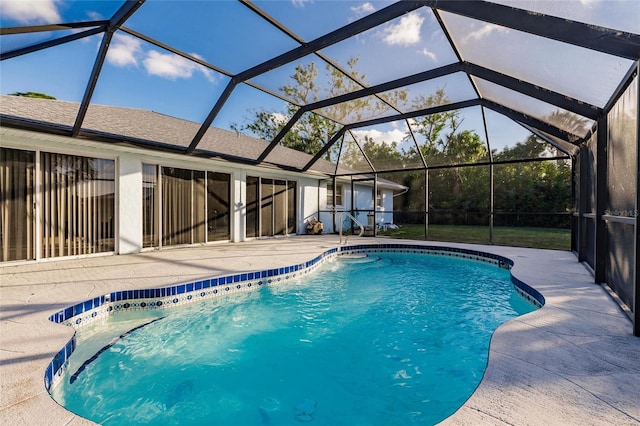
(545, 238)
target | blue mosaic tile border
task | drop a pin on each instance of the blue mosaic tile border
(478, 256)
(528, 293)
(87, 312)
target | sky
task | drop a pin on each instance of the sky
(230, 36)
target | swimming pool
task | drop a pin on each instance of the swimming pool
(318, 391)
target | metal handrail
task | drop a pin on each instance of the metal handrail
(356, 222)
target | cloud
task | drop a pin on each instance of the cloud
(426, 52)
(32, 11)
(208, 74)
(406, 32)
(172, 67)
(127, 51)
(124, 51)
(394, 135)
(279, 117)
(363, 9)
(95, 16)
(300, 3)
(485, 31)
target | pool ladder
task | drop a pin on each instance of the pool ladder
(342, 214)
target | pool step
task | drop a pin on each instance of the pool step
(358, 258)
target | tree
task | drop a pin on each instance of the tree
(314, 129)
(460, 148)
(382, 155)
(443, 143)
(430, 127)
(569, 122)
(530, 148)
(539, 186)
(33, 95)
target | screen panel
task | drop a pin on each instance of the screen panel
(622, 154)
(616, 14)
(567, 69)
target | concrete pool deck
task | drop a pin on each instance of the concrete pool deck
(573, 362)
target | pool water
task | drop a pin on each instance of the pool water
(395, 339)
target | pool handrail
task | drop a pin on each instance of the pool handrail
(356, 222)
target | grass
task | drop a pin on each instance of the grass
(543, 238)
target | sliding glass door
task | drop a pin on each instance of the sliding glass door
(291, 207)
(267, 208)
(77, 205)
(218, 206)
(183, 213)
(277, 207)
(17, 205)
(280, 207)
(150, 209)
(182, 206)
(252, 215)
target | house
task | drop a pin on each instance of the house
(356, 197)
(124, 185)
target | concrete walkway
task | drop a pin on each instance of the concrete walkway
(574, 362)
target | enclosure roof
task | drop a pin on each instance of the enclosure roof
(199, 77)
